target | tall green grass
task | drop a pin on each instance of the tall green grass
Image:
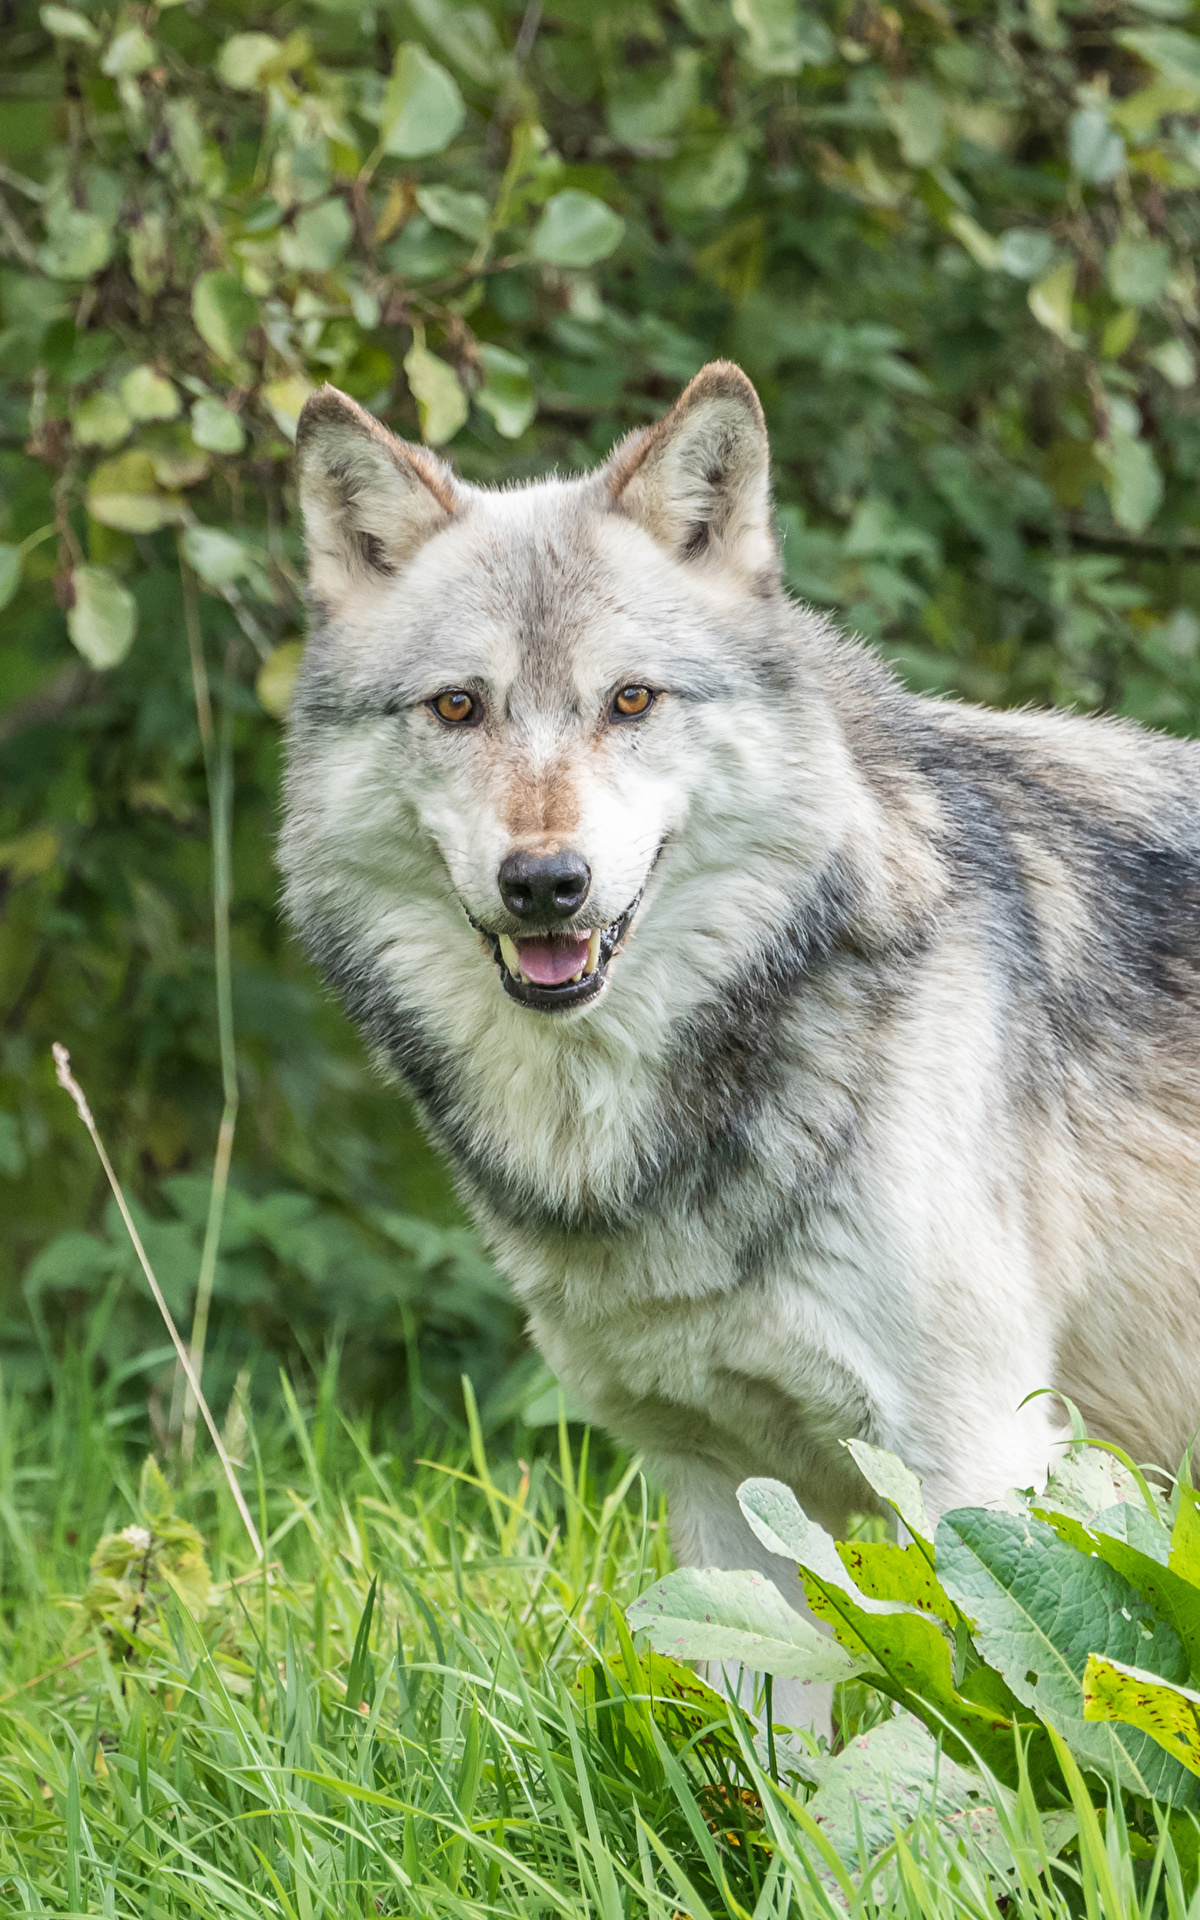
(424, 1704)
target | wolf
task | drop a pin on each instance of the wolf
(818, 1059)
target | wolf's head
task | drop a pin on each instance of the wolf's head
(548, 735)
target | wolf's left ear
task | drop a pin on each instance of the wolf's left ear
(369, 500)
(699, 481)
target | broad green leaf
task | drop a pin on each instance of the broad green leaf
(880, 1782)
(1050, 303)
(216, 426)
(895, 1484)
(1096, 148)
(441, 403)
(65, 24)
(1039, 1608)
(1184, 1555)
(10, 572)
(507, 391)
(652, 103)
(709, 176)
(1176, 362)
(737, 1619)
(781, 35)
(124, 493)
(103, 621)
(575, 230)
(277, 676)
(1138, 271)
(78, 243)
(463, 213)
(100, 421)
(1132, 480)
(1025, 252)
(243, 57)
(130, 51)
(467, 35)
(1173, 1598)
(423, 108)
(148, 395)
(319, 237)
(1176, 54)
(285, 401)
(149, 259)
(223, 312)
(73, 1261)
(1169, 1714)
(916, 114)
(216, 555)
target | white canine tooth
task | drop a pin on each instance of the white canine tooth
(576, 978)
(510, 957)
(593, 952)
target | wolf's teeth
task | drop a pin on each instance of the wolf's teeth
(575, 979)
(510, 956)
(593, 952)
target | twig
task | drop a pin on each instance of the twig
(218, 770)
(75, 1660)
(67, 1080)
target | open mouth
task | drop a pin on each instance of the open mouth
(554, 971)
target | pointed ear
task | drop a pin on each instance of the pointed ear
(369, 500)
(699, 481)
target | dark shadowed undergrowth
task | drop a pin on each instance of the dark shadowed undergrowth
(425, 1703)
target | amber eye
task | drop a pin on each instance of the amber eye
(630, 702)
(455, 707)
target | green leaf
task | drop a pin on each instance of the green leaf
(130, 51)
(1176, 362)
(467, 35)
(1173, 1598)
(100, 421)
(124, 493)
(73, 1262)
(781, 36)
(916, 114)
(1138, 271)
(65, 24)
(1169, 1714)
(223, 312)
(147, 395)
(1025, 252)
(215, 555)
(103, 621)
(441, 403)
(652, 103)
(149, 259)
(1038, 1609)
(463, 213)
(1184, 1556)
(423, 108)
(1096, 148)
(216, 426)
(880, 1782)
(10, 572)
(507, 391)
(895, 1483)
(243, 57)
(709, 175)
(1132, 480)
(78, 243)
(738, 1619)
(1176, 54)
(575, 230)
(319, 237)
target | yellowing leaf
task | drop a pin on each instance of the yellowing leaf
(441, 402)
(286, 398)
(1050, 303)
(216, 426)
(277, 677)
(124, 493)
(147, 395)
(243, 57)
(1170, 1714)
(100, 421)
(131, 51)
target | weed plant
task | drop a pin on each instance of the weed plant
(424, 1703)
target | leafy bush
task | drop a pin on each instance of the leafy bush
(954, 245)
(1044, 1641)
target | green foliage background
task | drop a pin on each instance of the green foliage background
(954, 246)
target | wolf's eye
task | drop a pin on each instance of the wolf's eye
(631, 702)
(456, 708)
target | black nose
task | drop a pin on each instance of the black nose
(547, 886)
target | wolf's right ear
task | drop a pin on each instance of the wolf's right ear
(699, 481)
(368, 500)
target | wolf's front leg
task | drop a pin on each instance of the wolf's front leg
(709, 1529)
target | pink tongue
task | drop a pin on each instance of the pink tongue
(550, 962)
